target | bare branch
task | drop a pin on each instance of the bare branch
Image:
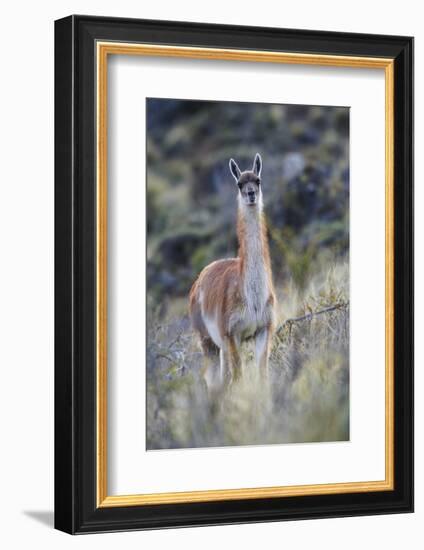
(308, 317)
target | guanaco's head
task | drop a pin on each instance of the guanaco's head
(248, 182)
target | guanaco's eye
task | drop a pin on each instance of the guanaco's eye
(239, 185)
(258, 181)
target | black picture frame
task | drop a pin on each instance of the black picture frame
(76, 510)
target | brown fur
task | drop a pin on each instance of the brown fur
(222, 281)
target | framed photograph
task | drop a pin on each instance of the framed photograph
(234, 274)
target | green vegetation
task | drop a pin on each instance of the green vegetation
(191, 207)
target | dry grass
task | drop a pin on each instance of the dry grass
(306, 396)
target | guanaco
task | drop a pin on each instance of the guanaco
(233, 299)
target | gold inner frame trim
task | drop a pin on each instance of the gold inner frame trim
(103, 50)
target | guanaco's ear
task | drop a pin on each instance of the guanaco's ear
(257, 165)
(235, 170)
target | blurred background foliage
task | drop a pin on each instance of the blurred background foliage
(191, 221)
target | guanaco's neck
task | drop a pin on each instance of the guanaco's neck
(253, 246)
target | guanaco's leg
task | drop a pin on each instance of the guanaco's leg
(262, 349)
(230, 360)
(210, 370)
(225, 363)
(235, 358)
